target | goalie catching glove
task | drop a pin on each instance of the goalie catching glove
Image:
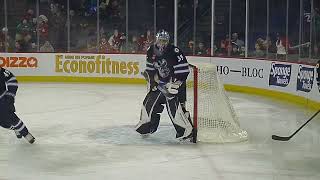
(170, 89)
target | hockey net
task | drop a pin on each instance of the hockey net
(211, 110)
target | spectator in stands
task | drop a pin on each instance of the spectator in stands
(147, 41)
(189, 50)
(17, 47)
(113, 9)
(201, 50)
(53, 9)
(104, 45)
(5, 40)
(281, 47)
(141, 42)
(225, 46)
(237, 45)
(104, 4)
(267, 44)
(116, 41)
(133, 47)
(18, 37)
(29, 16)
(46, 47)
(43, 27)
(214, 50)
(24, 28)
(26, 44)
(259, 48)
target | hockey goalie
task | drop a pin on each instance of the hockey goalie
(166, 72)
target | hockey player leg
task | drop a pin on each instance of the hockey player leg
(20, 128)
(179, 119)
(148, 123)
(9, 120)
(193, 136)
(6, 123)
(187, 113)
(150, 113)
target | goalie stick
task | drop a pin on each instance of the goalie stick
(287, 138)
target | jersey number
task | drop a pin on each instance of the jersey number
(6, 73)
(180, 57)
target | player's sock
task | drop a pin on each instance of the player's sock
(19, 136)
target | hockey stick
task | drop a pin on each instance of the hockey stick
(287, 138)
(300, 45)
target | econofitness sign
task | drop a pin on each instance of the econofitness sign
(296, 79)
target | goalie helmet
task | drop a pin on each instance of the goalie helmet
(162, 39)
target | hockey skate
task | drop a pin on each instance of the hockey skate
(187, 139)
(30, 138)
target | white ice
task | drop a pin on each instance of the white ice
(86, 132)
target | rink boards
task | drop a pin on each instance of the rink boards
(282, 80)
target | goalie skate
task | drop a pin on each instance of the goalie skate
(190, 139)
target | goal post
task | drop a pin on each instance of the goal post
(214, 117)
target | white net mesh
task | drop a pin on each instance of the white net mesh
(217, 119)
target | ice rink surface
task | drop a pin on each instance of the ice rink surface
(86, 132)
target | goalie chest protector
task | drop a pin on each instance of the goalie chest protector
(169, 64)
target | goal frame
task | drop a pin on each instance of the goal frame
(227, 131)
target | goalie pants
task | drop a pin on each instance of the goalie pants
(150, 114)
(9, 120)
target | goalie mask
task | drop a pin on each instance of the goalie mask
(162, 40)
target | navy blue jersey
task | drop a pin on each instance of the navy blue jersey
(170, 64)
(8, 83)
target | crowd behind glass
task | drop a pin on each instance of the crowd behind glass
(274, 29)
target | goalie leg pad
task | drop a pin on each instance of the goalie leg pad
(179, 118)
(150, 113)
(152, 80)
